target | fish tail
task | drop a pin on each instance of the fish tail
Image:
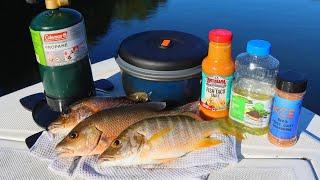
(139, 96)
(156, 105)
(228, 128)
(190, 107)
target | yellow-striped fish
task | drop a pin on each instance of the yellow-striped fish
(161, 139)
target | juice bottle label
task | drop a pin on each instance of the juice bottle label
(215, 93)
(285, 117)
(250, 112)
(60, 47)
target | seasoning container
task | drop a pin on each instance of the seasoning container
(253, 88)
(164, 64)
(290, 90)
(217, 76)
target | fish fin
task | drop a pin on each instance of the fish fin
(158, 106)
(145, 154)
(227, 127)
(207, 142)
(207, 133)
(190, 107)
(165, 161)
(139, 97)
(193, 115)
(159, 134)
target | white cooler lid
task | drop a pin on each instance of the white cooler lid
(267, 169)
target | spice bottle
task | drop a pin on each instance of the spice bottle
(290, 90)
(217, 75)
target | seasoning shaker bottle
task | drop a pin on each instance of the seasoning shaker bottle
(290, 90)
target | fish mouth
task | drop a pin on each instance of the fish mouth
(64, 152)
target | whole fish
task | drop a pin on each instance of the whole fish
(85, 108)
(93, 135)
(161, 139)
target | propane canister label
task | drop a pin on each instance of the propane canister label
(60, 47)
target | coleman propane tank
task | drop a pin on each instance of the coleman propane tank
(59, 41)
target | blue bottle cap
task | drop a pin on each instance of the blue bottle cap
(258, 47)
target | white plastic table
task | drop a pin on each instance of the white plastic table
(259, 158)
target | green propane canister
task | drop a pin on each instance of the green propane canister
(59, 41)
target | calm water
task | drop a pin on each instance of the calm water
(292, 26)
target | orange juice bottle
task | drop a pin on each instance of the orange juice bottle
(217, 76)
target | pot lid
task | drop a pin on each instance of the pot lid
(163, 50)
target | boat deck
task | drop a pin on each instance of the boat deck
(259, 158)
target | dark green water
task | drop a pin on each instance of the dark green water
(292, 26)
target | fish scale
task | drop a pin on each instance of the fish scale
(169, 143)
(128, 117)
(178, 124)
(196, 128)
(181, 128)
(189, 129)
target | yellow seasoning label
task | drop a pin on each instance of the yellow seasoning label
(60, 47)
(215, 93)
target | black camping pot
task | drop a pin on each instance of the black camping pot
(164, 64)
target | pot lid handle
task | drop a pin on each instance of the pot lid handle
(165, 43)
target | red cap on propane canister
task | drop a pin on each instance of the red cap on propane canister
(220, 35)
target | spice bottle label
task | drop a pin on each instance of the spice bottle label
(60, 47)
(215, 93)
(285, 117)
(250, 112)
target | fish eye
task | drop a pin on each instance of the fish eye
(116, 143)
(73, 135)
